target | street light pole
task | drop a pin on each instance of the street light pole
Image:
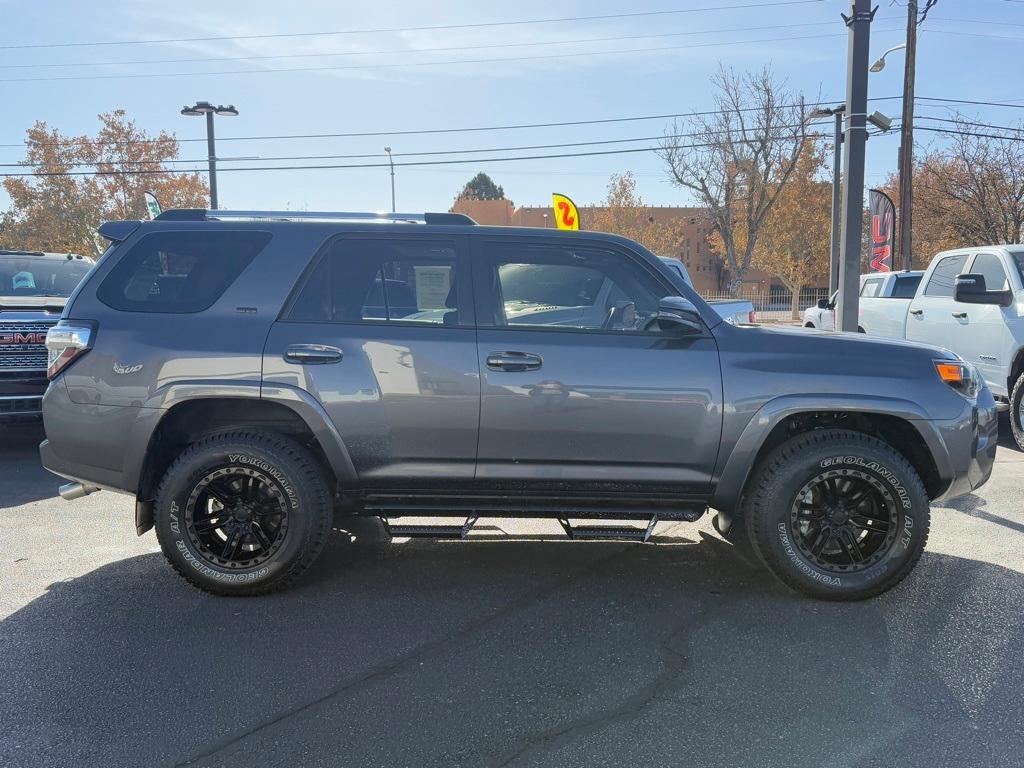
(391, 162)
(205, 108)
(837, 194)
(907, 142)
(859, 25)
(211, 153)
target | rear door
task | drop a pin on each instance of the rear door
(574, 390)
(934, 316)
(381, 333)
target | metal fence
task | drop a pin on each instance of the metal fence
(772, 304)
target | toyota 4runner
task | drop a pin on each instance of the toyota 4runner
(248, 375)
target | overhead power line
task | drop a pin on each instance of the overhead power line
(424, 28)
(393, 51)
(471, 129)
(403, 65)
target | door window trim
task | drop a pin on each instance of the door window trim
(968, 259)
(463, 272)
(482, 292)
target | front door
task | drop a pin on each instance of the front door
(987, 324)
(381, 333)
(576, 390)
(934, 318)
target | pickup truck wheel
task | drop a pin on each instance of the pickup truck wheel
(1017, 412)
(242, 513)
(838, 515)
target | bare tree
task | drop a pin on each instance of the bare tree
(738, 159)
(973, 189)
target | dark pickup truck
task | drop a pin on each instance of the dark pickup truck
(34, 287)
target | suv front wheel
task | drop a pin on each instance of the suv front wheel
(836, 514)
(242, 513)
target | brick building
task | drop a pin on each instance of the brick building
(707, 271)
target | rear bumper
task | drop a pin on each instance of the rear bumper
(970, 445)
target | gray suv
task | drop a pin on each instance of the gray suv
(246, 376)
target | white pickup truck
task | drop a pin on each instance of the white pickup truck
(735, 311)
(880, 295)
(970, 301)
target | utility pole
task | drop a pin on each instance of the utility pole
(907, 142)
(859, 25)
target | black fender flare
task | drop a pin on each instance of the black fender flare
(734, 468)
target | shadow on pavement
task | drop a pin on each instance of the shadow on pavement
(22, 477)
(516, 653)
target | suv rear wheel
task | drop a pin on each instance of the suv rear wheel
(242, 513)
(838, 515)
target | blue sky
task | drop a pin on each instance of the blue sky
(970, 49)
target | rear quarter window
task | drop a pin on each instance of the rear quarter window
(179, 272)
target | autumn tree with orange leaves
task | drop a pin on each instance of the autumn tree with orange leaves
(623, 212)
(54, 211)
(793, 241)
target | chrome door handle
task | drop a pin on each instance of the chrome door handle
(513, 361)
(960, 315)
(312, 354)
(917, 311)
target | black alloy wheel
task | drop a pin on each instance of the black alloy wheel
(236, 517)
(844, 521)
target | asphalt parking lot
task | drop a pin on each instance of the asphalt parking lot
(502, 651)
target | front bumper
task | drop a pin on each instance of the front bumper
(970, 446)
(21, 396)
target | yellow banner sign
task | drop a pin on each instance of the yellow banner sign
(566, 215)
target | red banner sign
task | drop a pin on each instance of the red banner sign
(883, 230)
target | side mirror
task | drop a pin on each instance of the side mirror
(678, 316)
(971, 289)
(823, 304)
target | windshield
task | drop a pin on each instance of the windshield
(24, 275)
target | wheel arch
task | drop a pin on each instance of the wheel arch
(900, 423)
(291, 413)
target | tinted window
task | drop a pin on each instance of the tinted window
(991, 267)
(906, 287)
(179, 271)
(29, 275)
(871, 288)
(945, 272)
(569, 287)
(382, 280)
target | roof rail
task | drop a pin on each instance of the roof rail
(199, 214)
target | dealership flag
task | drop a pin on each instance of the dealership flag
(566, 215)
(883, 219)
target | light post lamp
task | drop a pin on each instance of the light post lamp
(391, 162)
(199, 109)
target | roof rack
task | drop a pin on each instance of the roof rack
(199, 214)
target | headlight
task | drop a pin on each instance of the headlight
(961, 376)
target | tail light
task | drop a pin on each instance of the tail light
(67, 341)
(751, 317)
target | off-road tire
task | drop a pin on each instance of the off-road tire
(298, 479)
(1015, 413)
(773, 490)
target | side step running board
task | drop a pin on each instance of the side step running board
(430, 531)
(626, 532)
